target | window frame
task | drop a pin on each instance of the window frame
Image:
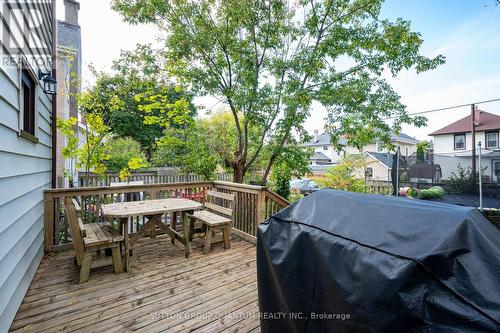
(366, 172)
(455, 141)
(28, 123)
(486, 139)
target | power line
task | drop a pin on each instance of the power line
(455, 107)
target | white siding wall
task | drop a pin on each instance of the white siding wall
(372, 147)
(445, 144)
(380, 171)
(448, 158)
(330, 152)
(25, 171)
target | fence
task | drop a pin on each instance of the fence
(253, 205)
(89, 179)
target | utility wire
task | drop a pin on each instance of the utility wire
(455, 106)
(449, 107)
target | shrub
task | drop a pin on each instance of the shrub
(345, 175)
(281, 177)
(295, 195)
(463, 180)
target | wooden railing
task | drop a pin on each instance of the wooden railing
(89, 179)
(253, 205)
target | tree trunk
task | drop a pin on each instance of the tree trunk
(238, 171)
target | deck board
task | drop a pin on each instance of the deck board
(163, 292)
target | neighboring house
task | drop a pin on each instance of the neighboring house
(453, 145)
(318, 158)
(321, 144)
(69, 68)
(26, 144)
(378, 166)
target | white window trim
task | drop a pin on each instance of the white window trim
(455, 142)
(486, 139)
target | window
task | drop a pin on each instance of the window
(407, 150)
(379, 146)
(496, 170)
(369, 173)
(491, 139)
(459, 141)
(28, 103)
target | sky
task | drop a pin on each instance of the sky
(466, 32)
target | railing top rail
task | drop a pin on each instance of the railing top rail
(91, 174)
(240, 185)
(61, 192)
(276, 197)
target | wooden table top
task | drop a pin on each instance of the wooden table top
(149, 207)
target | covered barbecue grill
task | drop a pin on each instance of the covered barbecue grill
(348, 262)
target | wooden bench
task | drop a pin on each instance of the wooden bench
(88, 239)
(216, 217)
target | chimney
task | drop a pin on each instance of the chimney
(71, 8)
(316, 134)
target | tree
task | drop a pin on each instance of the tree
(270, 60)
(221, 136)
(135, 73)
(121, 151)
(422, 149)
(188, 149)
(92, 154)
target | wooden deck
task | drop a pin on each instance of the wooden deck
(164, 292)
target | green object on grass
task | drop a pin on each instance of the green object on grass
(435, 192)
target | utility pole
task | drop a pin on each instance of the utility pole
(480, 180)
(473, 124)
(397, 173)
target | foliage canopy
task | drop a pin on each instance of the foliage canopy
(269, 61)
(136, 93)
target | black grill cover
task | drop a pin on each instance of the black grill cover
(348, 262)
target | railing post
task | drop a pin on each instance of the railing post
(48, 222)
(261, 206)
(153, 193)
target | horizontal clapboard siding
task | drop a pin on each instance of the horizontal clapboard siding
(25, 172)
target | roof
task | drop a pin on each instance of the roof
(403, 137)
(69, 35)
(321, 167)
(324, 139)
(319, 156)
(487, 122)
(385, 158)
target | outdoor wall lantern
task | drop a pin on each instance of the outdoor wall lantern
(49, 83)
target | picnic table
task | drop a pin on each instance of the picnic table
(153, 211)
